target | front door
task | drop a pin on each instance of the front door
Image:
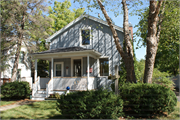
(77, 67)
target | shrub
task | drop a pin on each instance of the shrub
(57, 96)
(99, 104)
(51, 96)
(16, 90)
(147, 99)
(162, 79)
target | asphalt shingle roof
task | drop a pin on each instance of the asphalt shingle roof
(63, 49)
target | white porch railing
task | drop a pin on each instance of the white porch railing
(36, 86)
(49, 87)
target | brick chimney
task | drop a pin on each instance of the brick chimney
(131, 30)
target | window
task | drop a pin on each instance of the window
(58, 69)
(21, 57)
(85, 36)
(104, 67)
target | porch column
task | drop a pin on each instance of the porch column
(35, 71)
(98, 68)
(88, 72)
(52, 74)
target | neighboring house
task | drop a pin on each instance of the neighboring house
(24, 67)
(82, 55)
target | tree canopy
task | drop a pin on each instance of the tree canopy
(62, 15)
(167, 57)
(22, 25)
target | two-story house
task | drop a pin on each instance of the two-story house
(82, 55)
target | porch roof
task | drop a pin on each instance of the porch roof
(66, 52)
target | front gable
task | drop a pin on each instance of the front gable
(71, 35)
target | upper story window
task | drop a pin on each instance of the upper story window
(21, 57)
(85, 36)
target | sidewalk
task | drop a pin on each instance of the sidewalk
(16, 104)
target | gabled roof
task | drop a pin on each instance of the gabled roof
(77, 20)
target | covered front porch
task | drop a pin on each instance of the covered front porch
(75, 67)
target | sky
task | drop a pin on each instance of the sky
(141, 52)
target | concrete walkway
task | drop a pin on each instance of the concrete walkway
(16, 104)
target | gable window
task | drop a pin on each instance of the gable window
(104, 67)
(85, 36)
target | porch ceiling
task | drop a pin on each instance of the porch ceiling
(69, 52)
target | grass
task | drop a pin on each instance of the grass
(37, 110)
(47, 110)
(6, 102)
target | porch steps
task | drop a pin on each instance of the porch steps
(40, 95)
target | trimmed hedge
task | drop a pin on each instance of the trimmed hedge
(147, 99)
(99, 104)
(16, 90)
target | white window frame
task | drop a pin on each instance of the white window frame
(62, 69)
(80, 35)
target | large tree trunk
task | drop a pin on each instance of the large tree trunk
(20, 38)
(127, 56)
(129, 61)
(152, 40)
(15, 66)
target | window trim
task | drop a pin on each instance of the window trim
(80, 35)
(62, 67)
(105, 57)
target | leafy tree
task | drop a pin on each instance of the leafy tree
(6, 43)
(139, 69)
(158, 76)
(167, 58)
(20, 21)
(62, 15)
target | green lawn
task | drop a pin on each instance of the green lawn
(6, 102)
(47, 110)
(37, 110)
